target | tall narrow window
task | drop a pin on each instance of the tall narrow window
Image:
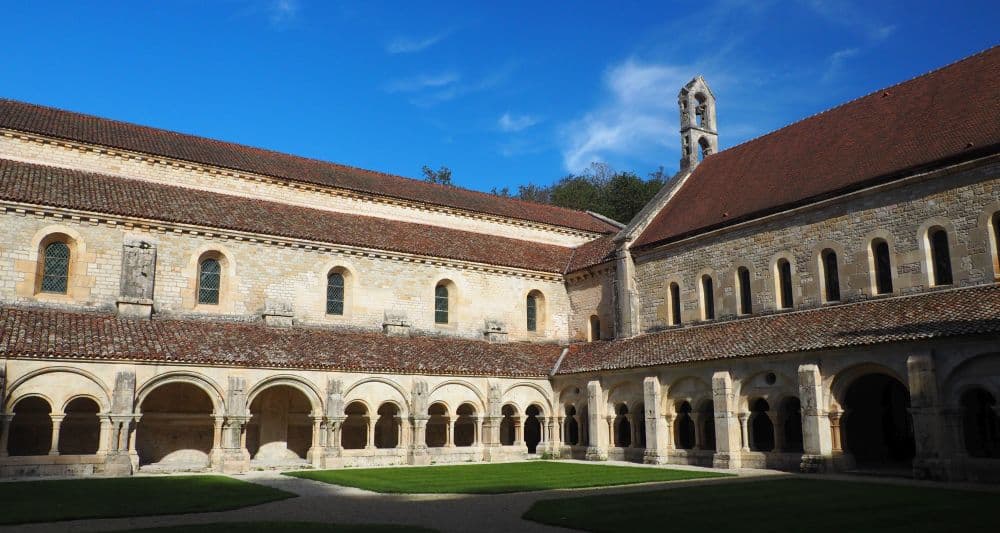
(55, 269)
(831, 276)
(441, 304)
(940, 256)
(209, 281)
(743, 280)
(883, 267)
(335, 294)
(675, 304)
(785, 284)
(532, 313)
(707, 297)
(595, 328)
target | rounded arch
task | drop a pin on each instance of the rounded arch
(846, 376)
(30, 430)
(357, 391)
(543, 396)
(708, 293)
(446, 298)
(227, 278)
(936, 237)
(480, 400)
(338, 301)
(989, 222)
(882, 277)
(535, 312)
(204, 383)
(972, 373)
(75, 397)
(686, 388)
(103, 399)
(75, 265)
(289, 380)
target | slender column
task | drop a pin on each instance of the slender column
(779, 432)
(479, 431)
(370, 433)
(56, 424)
(450, 429)
(744, 433)
(518, 431)
(558, 432)
(420, 433)
(336, 426)
(104, 444)
(217, 432)
(579, 429)
(399, 431)
(5, 421)
(668, 422)
(698, 437)
(544, 423)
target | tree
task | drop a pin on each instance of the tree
(441, 176)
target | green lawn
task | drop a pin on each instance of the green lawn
(47, 501)
(282, 527)
(495, 478)
(817, 506)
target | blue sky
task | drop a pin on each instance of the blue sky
(503, 93)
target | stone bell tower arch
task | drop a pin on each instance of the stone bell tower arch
(699, 132)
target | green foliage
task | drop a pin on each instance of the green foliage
(828, 507)
(441, 176)
(71, 499)
(496, 478)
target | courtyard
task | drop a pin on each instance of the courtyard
(523, 496)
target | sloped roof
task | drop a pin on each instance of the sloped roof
(948, 115)
(947, 313)
(50, 333)
(58, 187)
(89, 129)
(592, 253)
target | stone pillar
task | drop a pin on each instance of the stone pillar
(543, 426)
(56, 424)
(399, 432)
(668, 422)
(369, 433)
(579, 429)
(727, 427)
(817, 445)
(518, 422)
(478, 438)
(779, 431)
(558, 435)
(5, 420)
(315, 453)
(835, 445)
(696, 419)
(215, 455)
(611, 431)
(104, 444)
(928, 462)
(745, 431)
(598, 431)
(449, 425)
(418, 450)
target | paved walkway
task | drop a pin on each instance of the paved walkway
(320, 502)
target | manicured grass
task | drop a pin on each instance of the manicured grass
(281, 527)
(817, 506)
(48, 501)
(495, 478)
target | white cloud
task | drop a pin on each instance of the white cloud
(405, 45)
(282, 12)
(638, 116)
(422, 82)
(511, 123)
(845, 13)
(836, 61)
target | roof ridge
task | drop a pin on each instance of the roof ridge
(273, 152)
(859, 98)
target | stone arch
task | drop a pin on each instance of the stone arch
(477, 398)
(515, 397)
(622, 437)
(80, 430)
(980, 423)
(228, 281)
(571, 426)
(508, 431)
(356, 425)
(289, 380)
(541, 311)
(388, 426)
(465, 424)
(211, 388)
(872, 239)
(757, 385)
(350, 288)
(280, 426)
(436, 432)
(624, 392)
(684, 426)
(380, 388)
(689, 388)
(35, 381)
(982, 370)
(176, 428)
(30, 430)
(875, 427)
(532, 427)
(843, 378)
(760, 426)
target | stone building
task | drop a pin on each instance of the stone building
(824, 297)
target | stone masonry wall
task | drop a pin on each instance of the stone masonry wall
(591, 293)
(962, 202)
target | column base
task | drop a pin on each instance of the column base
(815, 464)
(418, 456)
(118, 464)
(727, 461)
(655, 457)
(596, 453)
(231, 461)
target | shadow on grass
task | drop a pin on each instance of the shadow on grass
(496, 478)
(290, 527)
(817, 506)
(73, 499)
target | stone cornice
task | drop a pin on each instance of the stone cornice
(161, 227)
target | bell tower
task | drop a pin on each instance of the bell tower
(699, 134)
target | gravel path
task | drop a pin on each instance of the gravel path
(320, 502)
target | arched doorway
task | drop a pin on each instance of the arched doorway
(80, 431)
(31, 428)
(354, 431)
(532, 428)
(176, 427)
(465, 425)
(508, 433)
(876, 428)
(387, 426)
(437, 426)
(623, 428)
(761, 427)
(571, 428)
(980, 424)
(279, 429)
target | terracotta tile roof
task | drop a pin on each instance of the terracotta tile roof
(947, 115)
(49, 186)
(50, 333)
(595, 252)
(89, 129)
(935, 314)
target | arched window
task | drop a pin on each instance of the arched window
(940, 256)
(55, 269)
(707, 298)
(595, 328)
(335, 294)
(743, 284)
(831, 276)
(882, 264)
(209, 281)
(784, 269)
(705, 149)
(675, 304)
(531, 312)
(441, 304)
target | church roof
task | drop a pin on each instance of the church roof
(968, 311)
(948, 115)
(58, 334)
(58, 187)
(89, 129)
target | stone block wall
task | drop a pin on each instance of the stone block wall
(591, 293)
